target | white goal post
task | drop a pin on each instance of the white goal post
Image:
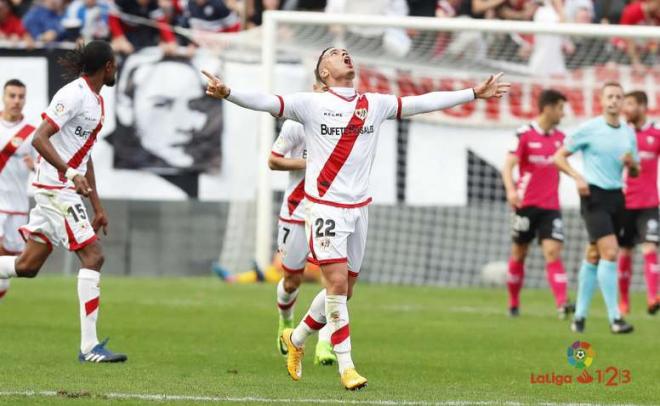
(273, 20)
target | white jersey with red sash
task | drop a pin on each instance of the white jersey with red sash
(291, 143)
(60, 217)
(15, 145)
(341, 135)
(77, 112)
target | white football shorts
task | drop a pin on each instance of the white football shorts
(59, 218)
(292, 243)
(337, 234)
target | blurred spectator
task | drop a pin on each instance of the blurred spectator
(142, 25)
(504, 9)
(303, 5)
(640, 13)
(460, 45)
(395, 41)
(517, 9)
(453, 8)
(579, 11)
(44, 21)
(422, 8)
(608, 11)
(547, 57)
(21, 7)
(88, 19)
(170, 13)
(482, 8)
(255, 9)
(212, 16)
(11, 27)
(372, 7)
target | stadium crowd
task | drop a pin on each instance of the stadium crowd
(134, 24)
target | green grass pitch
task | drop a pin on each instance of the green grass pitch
(201, 340)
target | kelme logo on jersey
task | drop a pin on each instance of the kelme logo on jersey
(325, 130)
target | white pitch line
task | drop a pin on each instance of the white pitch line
(220, 399)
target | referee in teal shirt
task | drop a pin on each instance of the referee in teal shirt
(608, 146)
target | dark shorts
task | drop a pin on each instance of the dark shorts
(530, 222)
(603, 212)
(639, 225)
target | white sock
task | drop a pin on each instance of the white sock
(285, 301)
(324, 333)
(88, 294)
(313, 321)
(337, 315)
(7, 267)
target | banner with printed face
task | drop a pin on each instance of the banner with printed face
(165, 124)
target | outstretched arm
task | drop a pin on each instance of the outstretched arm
(216, 88)
(434, 101)
(561, 161)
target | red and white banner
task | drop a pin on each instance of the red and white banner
(582, 88)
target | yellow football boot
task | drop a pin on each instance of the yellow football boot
(352, 380)
(294, 356)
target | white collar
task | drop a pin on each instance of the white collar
(344, 91)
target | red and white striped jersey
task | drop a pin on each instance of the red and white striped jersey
(15, 145)
(77, 112)
(291, 143)
(341, 134)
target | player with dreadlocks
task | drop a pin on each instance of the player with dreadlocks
(65, 172)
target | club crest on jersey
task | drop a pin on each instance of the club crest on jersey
(324, 243)
(361, 114)
(16, 141)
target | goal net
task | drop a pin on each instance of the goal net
(439, 214)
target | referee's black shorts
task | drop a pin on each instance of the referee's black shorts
(603, 212)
